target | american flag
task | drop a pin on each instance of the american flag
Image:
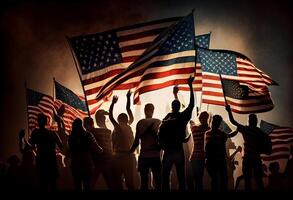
(202, 41)
(244, 86)
(38, 103)
(282, 140)
(102, 56)
(170, 60)
(75, 106)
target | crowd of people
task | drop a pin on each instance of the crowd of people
(56, 161)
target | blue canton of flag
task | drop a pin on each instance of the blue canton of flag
(67, 96)
(217, 62)
(179, 38)
(203, 41)
(97, 51)
(267, 127)
(170, 60)
(74, 106)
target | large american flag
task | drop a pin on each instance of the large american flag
(75, 106)
(282, 140)
(244, 86)
(202, 41)
(38, 103)
(102, 56)
(170, 60)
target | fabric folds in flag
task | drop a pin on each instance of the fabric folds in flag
(170, 60)
(75, 106)
(102, 56)
(245, 86)
(282, 141)
(38, 103)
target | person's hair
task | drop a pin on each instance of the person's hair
(217, 119)
(203, 117)
(88, 122)
(149, 107)
(122, 118)
(175, 105)
(77, 127)
(42, 120)
(252, 119)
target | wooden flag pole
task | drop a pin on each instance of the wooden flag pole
(76, 66)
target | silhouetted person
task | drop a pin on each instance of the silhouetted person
(215, 150)
(103, 161)
(251, 159)
(173, 150)
(28, 175)
(122, 139)
(149, 157)
(276, 178)
(197, 160)
(46, 142)
(13, 173)
(289, 170)
(81, 144)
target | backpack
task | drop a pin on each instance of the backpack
(264, 143)
(169, 134)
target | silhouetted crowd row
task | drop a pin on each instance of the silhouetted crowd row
(54, 160)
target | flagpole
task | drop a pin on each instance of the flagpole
(223, 90)
(76, 66)
(194, 92)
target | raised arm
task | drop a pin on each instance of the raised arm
(135, 143)
(61, 128)
(231, 118)
(232, 134)
(129, 112)
(175, 91)
(191, 101)
(113, 121)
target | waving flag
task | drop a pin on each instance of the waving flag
(170, 60)
(75, 106)
(244, 86)
(282, 140)
(202, 41)
(38, 103)
(102, 56)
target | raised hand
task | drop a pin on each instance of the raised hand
(190, 80)
(115, 99)
(175, 90)
(128, 94)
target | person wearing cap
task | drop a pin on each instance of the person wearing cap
(104, 161)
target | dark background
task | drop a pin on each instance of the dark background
(33, 45)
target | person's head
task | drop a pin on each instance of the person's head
(252, 120)
(88, 123)
(149, 110)
(274, 167)
(122, 118)
(101, 118)
(203, 117)
(77, 127)
(175, 106)
(217, 119)
(42, 120)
